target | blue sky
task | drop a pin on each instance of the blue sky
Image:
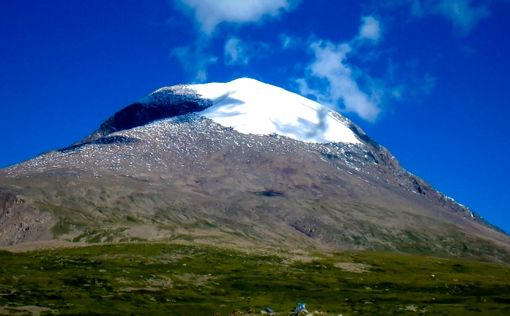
(429, 79)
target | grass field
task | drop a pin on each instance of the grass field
(165, 279)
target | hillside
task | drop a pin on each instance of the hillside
(174, 167)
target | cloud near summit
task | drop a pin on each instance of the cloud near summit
(334, 81)
(196, 57)
(347, 74)
(210, 13)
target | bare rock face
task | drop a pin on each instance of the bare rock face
(20, 222)
(159, 171)
(158, 105)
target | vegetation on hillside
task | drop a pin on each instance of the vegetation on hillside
(165, 279)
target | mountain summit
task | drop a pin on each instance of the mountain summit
(246, 105)
(239, 164)
(252, 107)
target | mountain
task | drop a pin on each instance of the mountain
(238, 164)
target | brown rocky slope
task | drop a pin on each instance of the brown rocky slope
(185, 178)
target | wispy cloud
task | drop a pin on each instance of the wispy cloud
(236, 52)
(333, 81)
(210, 13)
(463, 14)
(370, 29)
(194, 60)
(288, 41)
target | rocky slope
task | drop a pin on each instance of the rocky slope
(184, 164)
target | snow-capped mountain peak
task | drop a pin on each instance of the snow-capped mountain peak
(163, 165)
(253, 107)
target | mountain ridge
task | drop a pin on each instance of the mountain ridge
(187, 99)
(179, 175)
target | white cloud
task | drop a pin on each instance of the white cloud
(462, 13)
(194, 61)
(210, 13)
(332, 82)
(236, 52)
(288, 41)
(370, 29)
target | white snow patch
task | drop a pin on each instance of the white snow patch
(253, 107)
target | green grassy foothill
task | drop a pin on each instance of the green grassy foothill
(167, 279)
